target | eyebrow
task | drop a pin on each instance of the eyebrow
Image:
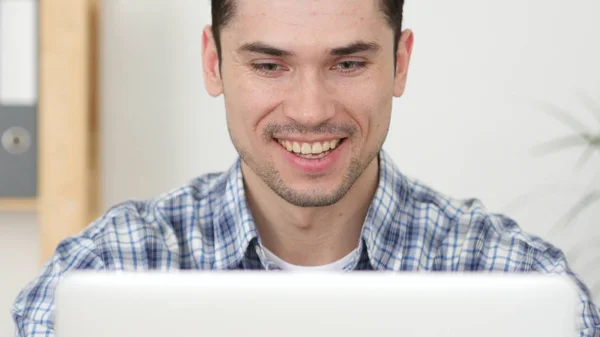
(265, 49)
(356, 47)
(262, 48)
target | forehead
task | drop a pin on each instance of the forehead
(307, 22)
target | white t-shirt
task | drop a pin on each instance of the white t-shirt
(283, 265)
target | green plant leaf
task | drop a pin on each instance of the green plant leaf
(588, 200)
(592, 105)
(564, 117)
(585, 156)
(562, 143)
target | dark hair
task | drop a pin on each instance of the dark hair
(224, 10)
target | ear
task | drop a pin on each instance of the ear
(210, 64)
(405, 46)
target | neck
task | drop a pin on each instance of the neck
(311, 236)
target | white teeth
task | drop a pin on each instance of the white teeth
(334, 144)
(306, 148)
(317, 148)
(310, 149)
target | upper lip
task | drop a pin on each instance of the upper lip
(308, 140)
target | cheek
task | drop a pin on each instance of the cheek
(249, 104)
(369, 103)
(380, 117)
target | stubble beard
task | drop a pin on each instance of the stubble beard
(310, 197)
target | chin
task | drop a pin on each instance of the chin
(311, 192)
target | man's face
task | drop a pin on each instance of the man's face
(308, 89)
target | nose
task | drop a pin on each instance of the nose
(310, 103)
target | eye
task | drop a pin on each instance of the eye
(266, 68)
(350, 66)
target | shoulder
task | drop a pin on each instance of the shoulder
(160, 232)
(466, 235)
(161, 212)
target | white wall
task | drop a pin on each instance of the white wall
(465, 126)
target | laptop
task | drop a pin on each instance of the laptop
(285, 304)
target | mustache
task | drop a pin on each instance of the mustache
(345, 130)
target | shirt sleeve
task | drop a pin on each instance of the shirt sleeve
(552, 260)
(33, 310)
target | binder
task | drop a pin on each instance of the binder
(18, 98)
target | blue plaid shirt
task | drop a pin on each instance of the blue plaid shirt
(207, 225)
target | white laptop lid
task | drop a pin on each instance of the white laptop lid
(279, 304)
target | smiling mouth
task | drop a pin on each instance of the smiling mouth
(314, 150)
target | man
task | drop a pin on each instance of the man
(308, 89)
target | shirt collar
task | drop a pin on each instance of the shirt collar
(234, 224)
(382, 233)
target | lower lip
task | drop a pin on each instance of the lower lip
(317, 165)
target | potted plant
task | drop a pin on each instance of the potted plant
(588, 140)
